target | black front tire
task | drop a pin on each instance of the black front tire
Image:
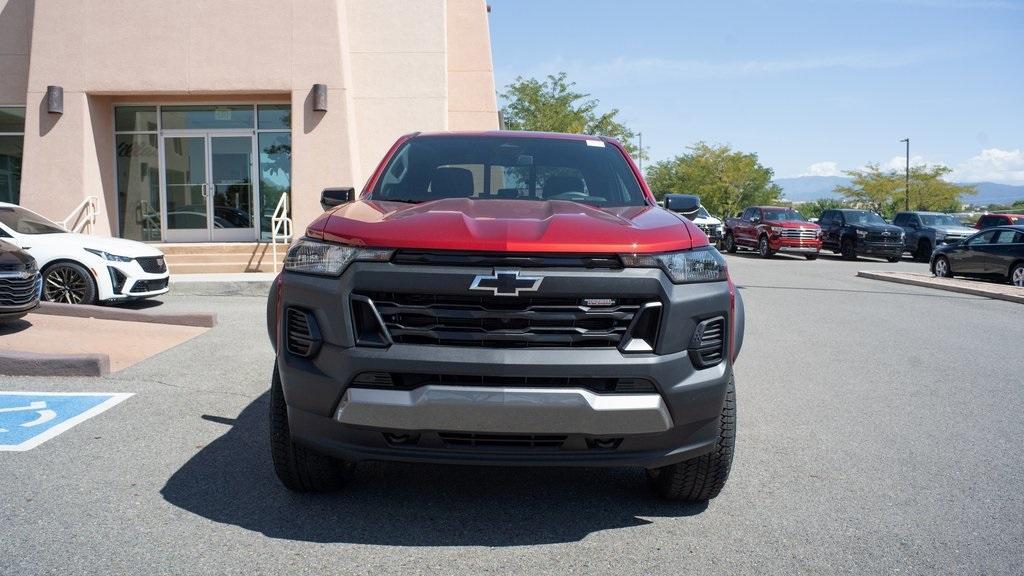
(849, 250)
(702, 478)
(763, 248)
(811, 256)
(730, 244)
(299, 468)
(68, 283)
(924, 251)
(894, 259)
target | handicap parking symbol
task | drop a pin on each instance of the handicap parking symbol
(27, 419)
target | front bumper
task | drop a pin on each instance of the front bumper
(677, 421)
(794, 246)
(128, 281)
(879, 248)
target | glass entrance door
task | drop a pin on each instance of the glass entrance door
(208, 187)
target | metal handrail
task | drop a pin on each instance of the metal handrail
(83, 217)
(280, 226)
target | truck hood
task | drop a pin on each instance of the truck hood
(792, 224)
(553, 226)
(879, 228)
(954, 230)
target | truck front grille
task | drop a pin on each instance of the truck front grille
(799, 233)
(18, 291)
(456, 439)
(504, 322)
(410, 381)
(892, 238)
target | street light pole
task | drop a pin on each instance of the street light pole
(906, 190)
(640, 153)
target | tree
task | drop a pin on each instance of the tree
(814, 208)
(725, 179)
(884, 191)
(554, 105)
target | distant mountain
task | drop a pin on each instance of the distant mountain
(805, 188)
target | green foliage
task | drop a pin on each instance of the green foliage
(884, 191)
(726, 180)
(554, 105)
(814, 208)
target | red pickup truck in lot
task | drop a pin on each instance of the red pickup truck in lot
(506, 298)
(772, 229)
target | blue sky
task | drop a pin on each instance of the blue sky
(811, 87)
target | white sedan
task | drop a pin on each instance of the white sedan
(84, 269)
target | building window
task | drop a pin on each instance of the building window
(138, 172)
(141, 132)
(12, 148)
(274, 139)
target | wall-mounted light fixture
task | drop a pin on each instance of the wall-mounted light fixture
(320, 97)
(55, 99)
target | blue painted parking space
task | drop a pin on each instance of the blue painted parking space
(27, 419)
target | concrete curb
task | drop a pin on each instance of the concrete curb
(258, 289)
(972, 287)
(198, 319)
(13, 363)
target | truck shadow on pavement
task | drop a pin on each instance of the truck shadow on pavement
(231, 481)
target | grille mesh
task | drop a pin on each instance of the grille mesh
(18, 291)
(503, 322)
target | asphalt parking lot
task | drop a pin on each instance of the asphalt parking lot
(880, 431)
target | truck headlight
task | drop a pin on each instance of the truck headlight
(109, 256)
(862, 233)
(310, 256)
(699, 265)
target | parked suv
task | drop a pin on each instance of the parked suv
(854, 233)
(771, 229)
(504, 298)
(925, 231)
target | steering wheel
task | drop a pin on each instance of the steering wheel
(570, 196)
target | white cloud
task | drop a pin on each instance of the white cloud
(900, 162)
(992, 165)
(828, 168)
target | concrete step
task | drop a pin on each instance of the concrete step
(226, 267)
(218, 248)
(175, 259)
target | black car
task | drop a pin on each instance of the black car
(854, 233)
(20, 284)
(996, 253)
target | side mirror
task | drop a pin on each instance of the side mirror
(755, 220)
(685, 204)
(913, 225)
(332, 197)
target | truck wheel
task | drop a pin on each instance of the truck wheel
(299, 468)
(924, 251)
(763, 248)
(730, 244)
(894, 258)
(702, 478)
(811, 256)
(849, 250)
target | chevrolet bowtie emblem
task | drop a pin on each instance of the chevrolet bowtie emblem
(506, 283)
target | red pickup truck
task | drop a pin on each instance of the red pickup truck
(505, 298)
(771, 229)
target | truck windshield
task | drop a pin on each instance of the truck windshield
(863, 217)
(431, 168)
(939, 220)
(779, 215)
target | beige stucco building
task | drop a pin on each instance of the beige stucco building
(187, 120)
